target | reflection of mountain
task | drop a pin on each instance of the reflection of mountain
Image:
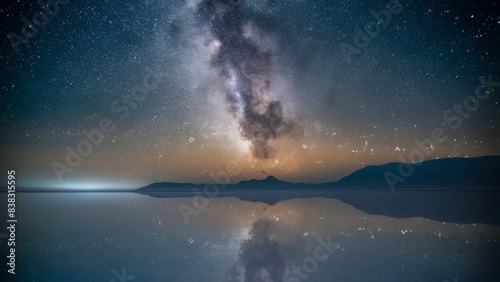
(451, 190)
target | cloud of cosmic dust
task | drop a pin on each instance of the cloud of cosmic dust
(245, 68)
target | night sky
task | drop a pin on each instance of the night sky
(287, 88)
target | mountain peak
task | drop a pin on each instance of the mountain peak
(271, 178)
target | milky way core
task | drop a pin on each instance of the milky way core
(245, 67)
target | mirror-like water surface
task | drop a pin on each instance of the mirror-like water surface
(131, 237)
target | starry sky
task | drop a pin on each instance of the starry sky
(148, 91)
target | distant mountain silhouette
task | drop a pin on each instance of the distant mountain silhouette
(270, 182)
(441, 174)
(461, 190)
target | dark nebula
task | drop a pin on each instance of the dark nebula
(246, 70)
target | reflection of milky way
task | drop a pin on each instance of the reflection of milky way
(259, 259)
(245, 69)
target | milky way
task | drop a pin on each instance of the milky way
(246, 70)
(261, 83)
(259, 258)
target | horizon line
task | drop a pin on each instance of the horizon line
(256, 190)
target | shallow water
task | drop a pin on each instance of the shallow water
(132, 237)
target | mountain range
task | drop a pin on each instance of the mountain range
(460, 190)
(440, 174)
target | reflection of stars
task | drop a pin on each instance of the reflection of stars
(243, 234)
(305, 234)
